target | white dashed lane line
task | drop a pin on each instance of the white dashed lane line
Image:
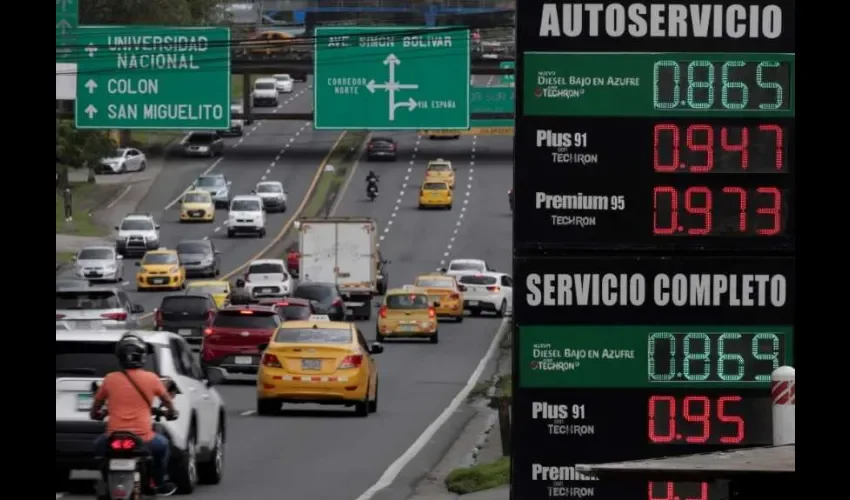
(466, 188)
(398, 201)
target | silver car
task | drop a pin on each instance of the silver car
(273, 195)
(217, 186)
(100, 263)
(96, 308)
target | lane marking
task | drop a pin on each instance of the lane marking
(427, 435)
(118, 198)
(401, 193)
(466, 197)
(247, 413)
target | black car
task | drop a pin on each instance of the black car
(203, 143)
(186, 315)
(199, 258)
(381, 148)
(325, 298)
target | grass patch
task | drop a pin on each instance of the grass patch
(505, 385)
(478, 391)
(330, 182)
(85, 199)
(480, 477)
(65, 257)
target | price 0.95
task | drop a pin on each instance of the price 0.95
(695, 420)
(718, 211)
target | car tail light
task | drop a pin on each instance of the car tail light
(392, 147)
(493, 288)
(462, 288)
(432, 313)
(122, 444)
(348, 362)
(122, 316)
(208, 331)
(271, 360)
(246, 311)
(454, 296)
(283, 304)
(60, 316)
(337, 302)
(382, 312)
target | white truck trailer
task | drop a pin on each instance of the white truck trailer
(342, 250)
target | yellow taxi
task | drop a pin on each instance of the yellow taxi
(197, 206)
(445, 292)
(442, 170)
(319, 362)
(435, 193)
(160, 269)
(407, 312)
(219, 290)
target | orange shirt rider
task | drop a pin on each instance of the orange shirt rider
(127, 411)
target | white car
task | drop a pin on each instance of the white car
(137, 234)
(246, 216)
(264, 93)
(84, 357)
(273, 195)
(487, 292)
(123, 160)
(268, 278)
(284, 83)
(99, 263)
(466, 266)
(237, 125)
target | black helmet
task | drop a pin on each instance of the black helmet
(131, 351)
(240, 283)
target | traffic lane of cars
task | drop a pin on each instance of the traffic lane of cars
(417, 379)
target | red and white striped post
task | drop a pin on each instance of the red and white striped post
(783, 389)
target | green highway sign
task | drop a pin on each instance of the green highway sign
(491, 100)
(507, 78)
(153, 77)
(391, 78)
(67, 18)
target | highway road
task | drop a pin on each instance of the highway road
(286, 151)
(315, 453)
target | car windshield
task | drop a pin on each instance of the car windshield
(269, 188)
(407, 301)
(466, 266)
(312, 292)
(478, 280)
(264, 85)
(85, 300)
(435, 282)
(196, 198)
(246, 319)
(156, 259)
(136, 225)
(200, 138)
(313, 336)
(118, 153)
(245, 206)
(209, 181)
(209, 288)
(95, 254)
(294, 312)
(91, 359)
(190, 248)
(435, 186)
(265, 268)
(195, 305)
(283, 78)
(382, 142)
(439, 167)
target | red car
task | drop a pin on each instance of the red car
(291, 309)
(231, 341)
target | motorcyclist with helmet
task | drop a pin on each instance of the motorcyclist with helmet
(371, 183)
(129, 394)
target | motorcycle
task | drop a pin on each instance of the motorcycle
(372, 191)
(127, 467)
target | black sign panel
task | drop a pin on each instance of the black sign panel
(656, 25)
(655, 184)
(654, 290)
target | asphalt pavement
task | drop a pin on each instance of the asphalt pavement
(315, 453)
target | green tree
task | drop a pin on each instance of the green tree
(154, 12)
(80, 149)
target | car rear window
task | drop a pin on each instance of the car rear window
(407, 301)
(312, 292)
(435, 283)
(313, 336)
(259, 320)
(465, 266)
(91, 359)
(267, 268)
(478, 280)
(294, 312)
(185, 304)
(439, 167)
(435, 186)
(86, 300)
(197, 138)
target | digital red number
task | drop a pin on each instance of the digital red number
(779, 142)
(695, 410)
(658, 193)
(774, 210)
(674, 163)
(669, 492)
(706, 133)
(743, 148)
(692, 206)
(742, 204)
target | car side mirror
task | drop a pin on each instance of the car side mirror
(74, 259)
(138, 264)
(229, 182)
(285, 191)
(115, 228)
(118, 257)
(95, 386)
(213, 376)
(137, 308)
(443, 270)
(376, 348)
(437, 304)
(157, 226)
(461, 288)
(262, 347)
(217, 252)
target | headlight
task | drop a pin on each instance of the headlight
(173, 270)
(109, 269)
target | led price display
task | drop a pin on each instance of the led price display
(706, 148)
(700, 418)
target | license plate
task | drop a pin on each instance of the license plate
(122, 464)
(84, 325)
(160, 281)
(243, 360)
(407, 328)
(185, 331)
(266, 290)
(84, 402)
(473, 302)
(311, 364)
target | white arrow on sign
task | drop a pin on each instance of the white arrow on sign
(63, 4)
(91, 111)
(91, 85)
(392, 86)
(392, 61)
(91, 49)
(63, 26)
